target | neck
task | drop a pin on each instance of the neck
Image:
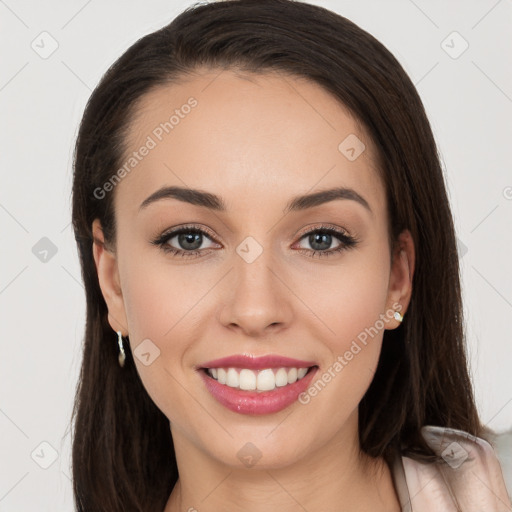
(334, 477)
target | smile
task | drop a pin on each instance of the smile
(257, 380)
(257, 385)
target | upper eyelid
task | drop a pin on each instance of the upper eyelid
(171, 233)
(323, 227)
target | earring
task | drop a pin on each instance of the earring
(122, 355)
(398, 316)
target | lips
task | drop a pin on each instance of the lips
(257, 363)
(256, 385)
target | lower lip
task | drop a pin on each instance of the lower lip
(254, 402)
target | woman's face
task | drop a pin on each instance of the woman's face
(255, 272)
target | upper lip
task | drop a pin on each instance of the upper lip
(256, 363)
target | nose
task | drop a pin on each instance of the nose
(257, 299)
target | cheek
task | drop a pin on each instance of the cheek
(163, 308)
(349, 298)
(160, 296)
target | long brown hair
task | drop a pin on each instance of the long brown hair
(123, 456)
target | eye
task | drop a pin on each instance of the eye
(321, 238)
(185, 241)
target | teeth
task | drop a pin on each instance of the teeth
(262, 380)
(292, 375)
(221, 374)
(282, 377)
(266, 380)
(247, 379)
(232, 379)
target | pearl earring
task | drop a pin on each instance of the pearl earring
(398, 316)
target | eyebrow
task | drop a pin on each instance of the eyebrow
(216, 203)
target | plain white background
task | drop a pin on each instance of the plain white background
(467, 95)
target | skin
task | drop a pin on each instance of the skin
(256, 141)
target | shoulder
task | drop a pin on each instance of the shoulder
(468, 478)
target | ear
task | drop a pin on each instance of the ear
(108, 277)
(400, 279)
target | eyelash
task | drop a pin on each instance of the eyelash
(346, 241)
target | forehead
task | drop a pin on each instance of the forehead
(224, 131)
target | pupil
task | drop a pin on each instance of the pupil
(318, 238)
(190, 238)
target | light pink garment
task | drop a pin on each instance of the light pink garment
(469, 479)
